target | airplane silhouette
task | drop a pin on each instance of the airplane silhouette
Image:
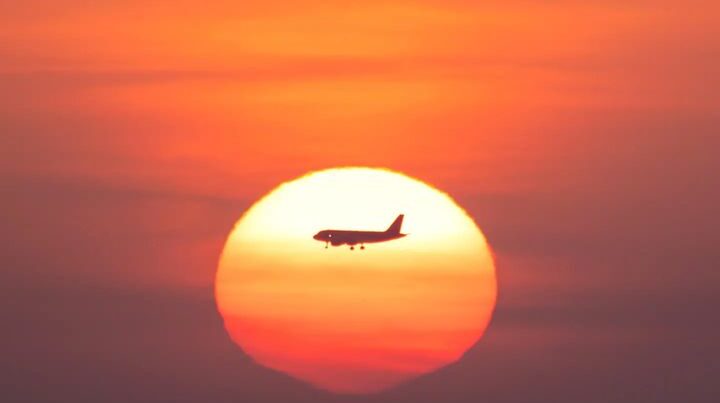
(345, 237)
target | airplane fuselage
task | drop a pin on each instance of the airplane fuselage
(342, 237)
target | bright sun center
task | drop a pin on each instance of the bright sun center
(364, 320)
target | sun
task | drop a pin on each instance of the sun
(364, 320)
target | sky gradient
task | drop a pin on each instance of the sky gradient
(581, 136)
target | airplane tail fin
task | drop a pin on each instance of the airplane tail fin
(395, 226)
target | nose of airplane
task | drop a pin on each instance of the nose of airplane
(316, 236)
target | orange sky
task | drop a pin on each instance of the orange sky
(580, 135)
(164, 93)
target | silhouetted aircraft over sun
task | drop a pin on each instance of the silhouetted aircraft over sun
(346, 237)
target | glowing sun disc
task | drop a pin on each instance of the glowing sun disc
(355, 321)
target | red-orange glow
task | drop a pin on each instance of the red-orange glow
(355, 321)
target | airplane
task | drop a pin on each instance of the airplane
(352, 238)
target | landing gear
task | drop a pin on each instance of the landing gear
(326, 245)
(352, 248)
(362, 247)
